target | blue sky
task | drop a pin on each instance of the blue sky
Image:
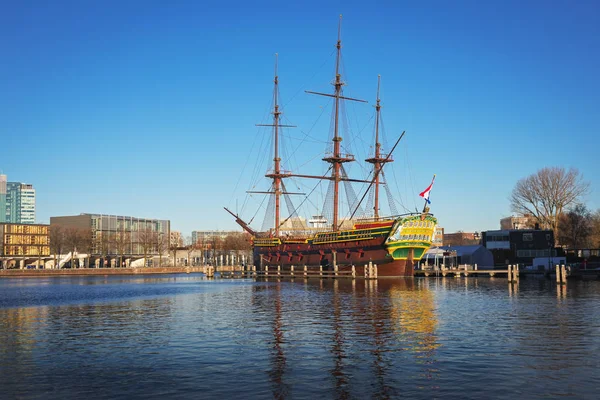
(148, 108)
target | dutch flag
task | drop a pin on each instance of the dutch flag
(425, 193)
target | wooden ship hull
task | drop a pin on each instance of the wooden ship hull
(394, 246)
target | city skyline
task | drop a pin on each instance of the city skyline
(135, 109)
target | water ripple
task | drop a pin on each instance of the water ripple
(186, 337)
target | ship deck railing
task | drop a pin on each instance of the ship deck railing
(305, 231)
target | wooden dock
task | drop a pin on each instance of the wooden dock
(461, 272)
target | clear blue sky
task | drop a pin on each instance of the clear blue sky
(148, 108)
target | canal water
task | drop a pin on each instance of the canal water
(186, 337)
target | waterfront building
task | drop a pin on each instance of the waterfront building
(207, 236)
(517, 222)
(2, 198)
(318, 221)
(449, 256)
(20, 203)
(114, 235)
(20, 243)
(461, 239)
(519, 246)
(438, 236)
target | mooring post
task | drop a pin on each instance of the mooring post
(375, 271)
(266, 270)
(305, 272)
(321, 271)
(334, 258)
(278, 270)
(366, 271)
(335, 270)
(353, 272)
(210, 272)
(510, 277)
(564, 274)
(475, 267)
(557, 274)
(516, 273)
(292, 270)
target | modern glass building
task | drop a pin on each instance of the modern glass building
(19, 205)
(115, 234)
(2, 198)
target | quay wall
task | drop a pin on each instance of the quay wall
(20, 273)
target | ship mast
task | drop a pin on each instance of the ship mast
(276, 160)
(379, 159)
(337, 158)
(277, 174)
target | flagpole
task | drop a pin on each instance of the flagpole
(425, 208)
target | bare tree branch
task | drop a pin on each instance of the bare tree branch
(547, 193)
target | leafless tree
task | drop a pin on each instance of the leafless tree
(576, 227)
(547, 193)
(162, 245)
(104, 243)
(237, 242)
(191, 246)
(216, 245)
(78, 240)
(147, 239)
(85, 241)
(57, 242)
(595, 236)
(173, 247)
(175, 239)
(122, 244)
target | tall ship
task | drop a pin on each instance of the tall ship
(338, 239)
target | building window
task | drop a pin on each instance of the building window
(528, 237)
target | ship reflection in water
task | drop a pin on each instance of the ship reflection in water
(364, 328)
(188, 337)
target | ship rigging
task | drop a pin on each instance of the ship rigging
(394, 242)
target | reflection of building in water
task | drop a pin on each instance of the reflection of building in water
(21, 329)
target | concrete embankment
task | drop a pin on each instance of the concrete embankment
(21, 273)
